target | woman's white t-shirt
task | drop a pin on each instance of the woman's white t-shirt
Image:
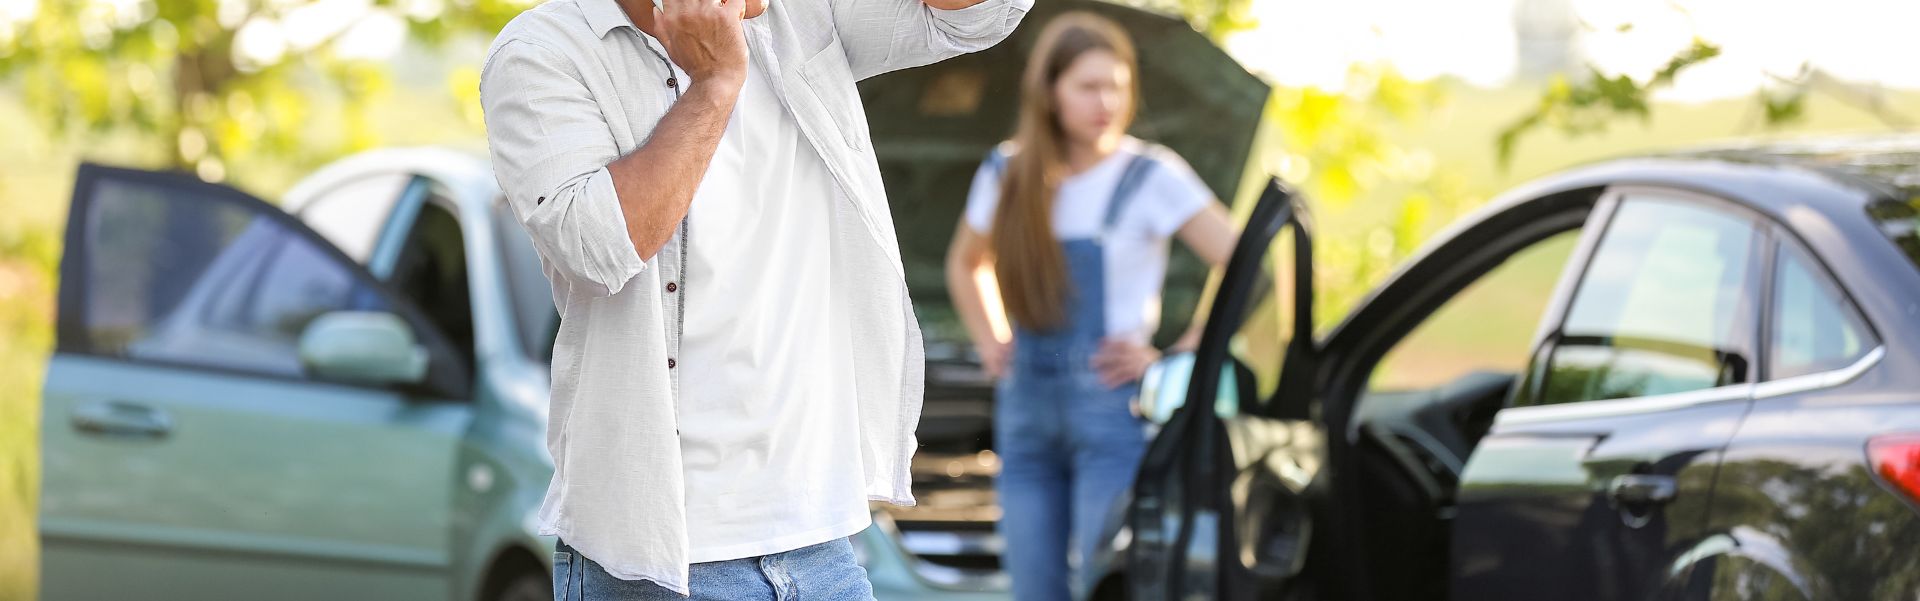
(1136, 248)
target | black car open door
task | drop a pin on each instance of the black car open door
(1220, 505)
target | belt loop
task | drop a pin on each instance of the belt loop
(777, 577)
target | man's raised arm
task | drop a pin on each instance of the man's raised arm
(888, 35)
(592, 213)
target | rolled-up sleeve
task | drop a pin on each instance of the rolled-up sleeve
(880, 36)
(550, 148)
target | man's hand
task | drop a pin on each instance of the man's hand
(705, 39)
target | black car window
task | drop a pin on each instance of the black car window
(172, 277)
(1900, 221)
(533, 313)
(1261, 336)
(1814, 327)
(1486, 327)
(1663, 307)
(432, 272)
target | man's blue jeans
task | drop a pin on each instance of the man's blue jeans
(824, 572)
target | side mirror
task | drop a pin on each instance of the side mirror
(373, 347)
(1164, 388)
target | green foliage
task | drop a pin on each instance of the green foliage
(27, 260)
(1588, 106)
(1338, 146)
(171, 72)
(1215, 18)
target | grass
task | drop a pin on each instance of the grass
(36, 171)
(26, 314)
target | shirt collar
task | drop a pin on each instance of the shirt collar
(604, 16)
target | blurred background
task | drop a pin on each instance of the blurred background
(1393, 116)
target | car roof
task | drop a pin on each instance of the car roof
(1835, 178)
(1888, 161)
(468, 175)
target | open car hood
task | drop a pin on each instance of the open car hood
(932, 125)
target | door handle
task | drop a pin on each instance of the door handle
(121, 418)
(1643, 489)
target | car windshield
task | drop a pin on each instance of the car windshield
(533, 311)
(1900, 221)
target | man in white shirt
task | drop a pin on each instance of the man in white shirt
(738, 369)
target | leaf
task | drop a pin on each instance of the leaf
(1589, 105)
(1783, 109)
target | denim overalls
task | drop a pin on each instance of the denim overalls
(1068, 445)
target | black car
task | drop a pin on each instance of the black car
(1686, 376)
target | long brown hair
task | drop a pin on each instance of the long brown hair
(1031, 269)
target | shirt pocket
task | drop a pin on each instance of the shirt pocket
(830, 79)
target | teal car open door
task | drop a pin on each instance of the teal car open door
(235, 409)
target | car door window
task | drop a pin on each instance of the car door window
(1899, 219)
(1487, 327)
(527, 285)
(1663, 307)
(432, 272)
(1263, 333)
(188, 273)
(296, 283)
(176, 278)
(1814, 327)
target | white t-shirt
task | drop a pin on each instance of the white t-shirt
(769, 426)
(1136, 248)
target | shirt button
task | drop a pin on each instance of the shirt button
(672, 286)
(673, 82)
(671, 363)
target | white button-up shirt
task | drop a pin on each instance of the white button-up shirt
(570, 86)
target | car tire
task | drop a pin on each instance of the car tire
(526, 586)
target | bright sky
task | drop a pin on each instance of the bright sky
(1311, 42)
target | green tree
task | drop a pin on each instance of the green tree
(205, 81)
(1335, 146)
(1216, 18)
(1590, 102)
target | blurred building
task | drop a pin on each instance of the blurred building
(1548, 34)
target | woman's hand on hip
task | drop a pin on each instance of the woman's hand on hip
(1122, 361)
(993, 357)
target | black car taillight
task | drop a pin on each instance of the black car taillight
(1896, 459)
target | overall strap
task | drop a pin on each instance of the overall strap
(996, 162)
(1130, 180)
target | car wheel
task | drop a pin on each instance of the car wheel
(527, 586)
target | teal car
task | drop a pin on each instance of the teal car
(340, 397)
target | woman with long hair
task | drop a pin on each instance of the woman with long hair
(1071, 219)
